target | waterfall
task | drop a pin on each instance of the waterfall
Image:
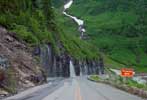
(72, 69)
(78, 21)
(66, 6)
(49, 52)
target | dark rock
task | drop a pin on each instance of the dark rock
(4, 63)
(2, 76)
(37, 51)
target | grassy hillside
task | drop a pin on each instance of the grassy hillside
(117, 28)
(76, 47)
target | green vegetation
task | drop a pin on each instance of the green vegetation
(131, 83)
(94, 77)
(135, 84)
(28, 19)
(117, 28)
(125, 84)
(37, 22)
(125, 81)
(70, 37)
(119, 81)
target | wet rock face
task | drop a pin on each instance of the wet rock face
(54, 65)
(46, 58)
(88, 67)
(59, 65)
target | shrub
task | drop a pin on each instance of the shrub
(94, 77)
(2, 20)
(23, 33)
(6, 20)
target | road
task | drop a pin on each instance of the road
(77, 88)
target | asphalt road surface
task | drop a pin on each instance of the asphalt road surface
(77, 88)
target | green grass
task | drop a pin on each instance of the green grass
(125, 81)
(109, 63)
(119, 53)
(120, 80)
(94, 77)
(132, 83)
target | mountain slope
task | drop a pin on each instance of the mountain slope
(117, 28)
(28, 24)
(35, 24)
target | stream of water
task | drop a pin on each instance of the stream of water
(78, 21)
(72, 70)
(84, 69)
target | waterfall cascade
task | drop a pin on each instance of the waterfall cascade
(46, 58)
(88, 67)
(78, 21)
(72, 69)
